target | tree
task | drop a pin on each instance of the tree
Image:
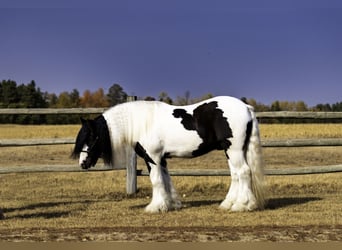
(323, 107)
(301, 106)
(94, 100)
(8, 93)
(164, 97)
(85, 100)
(23, 96)
(75, 98)
(183, 100)
(30, 96)
(116, 95)
(99, 99)
(64, 100)
(202, 98)
(337, 107)
(149, 98)
(275, 106)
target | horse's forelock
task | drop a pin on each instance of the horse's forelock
(80, 140)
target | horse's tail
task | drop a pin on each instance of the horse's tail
(255, 161)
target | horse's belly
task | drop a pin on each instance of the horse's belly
(183, 145)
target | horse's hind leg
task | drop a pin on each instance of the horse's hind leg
(233, 192)
(240, 196)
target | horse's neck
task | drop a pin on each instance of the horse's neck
(128, 122)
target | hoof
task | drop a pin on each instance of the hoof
(176, 205)
(163, 207)
(238, 207)
(152, 208)
(226, 205)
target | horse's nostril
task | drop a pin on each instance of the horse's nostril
(83, 165)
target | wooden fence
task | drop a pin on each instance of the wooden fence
(132, 172)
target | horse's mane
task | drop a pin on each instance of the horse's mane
(105, 142)
(127, 123)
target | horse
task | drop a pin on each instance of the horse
(157, 131)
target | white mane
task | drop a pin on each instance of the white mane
(127, 123)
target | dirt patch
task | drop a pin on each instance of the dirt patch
(193, 234)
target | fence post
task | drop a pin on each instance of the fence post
(131, 161)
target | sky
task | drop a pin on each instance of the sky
(266, 50)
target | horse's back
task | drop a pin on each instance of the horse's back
(236, 111)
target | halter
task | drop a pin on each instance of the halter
(91, 147)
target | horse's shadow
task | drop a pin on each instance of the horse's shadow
(276, 203)
(200, 203)
(28, 210)
(185, 204)
(272, 204)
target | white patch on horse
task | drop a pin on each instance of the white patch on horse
(83, 155)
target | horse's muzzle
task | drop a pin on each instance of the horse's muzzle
(86, 164)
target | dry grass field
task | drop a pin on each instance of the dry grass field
(93, 206)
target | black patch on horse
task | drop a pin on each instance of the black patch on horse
(187, 119)
(248, 135)
(140, 151)
(210, 125)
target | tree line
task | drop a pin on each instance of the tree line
(29, 95)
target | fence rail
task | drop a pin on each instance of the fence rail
(173, 172)
(276, 114)
(132, 173)
(51, 111)
(226, 172)
(300, 115)
(267, 143)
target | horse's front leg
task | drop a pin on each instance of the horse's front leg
(164, 195)
(176, 203)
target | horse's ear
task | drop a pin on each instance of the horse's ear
(87, 123)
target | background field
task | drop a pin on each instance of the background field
(94, 206)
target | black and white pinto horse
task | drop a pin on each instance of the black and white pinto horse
(157, 131)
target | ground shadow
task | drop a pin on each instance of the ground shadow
(276, 203)
(28, 213)
(45, 205)
(186, 204)
(200, 203)
(272, 204)
(45, 215)
(27, 210)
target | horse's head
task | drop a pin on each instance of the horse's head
(92, 142)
